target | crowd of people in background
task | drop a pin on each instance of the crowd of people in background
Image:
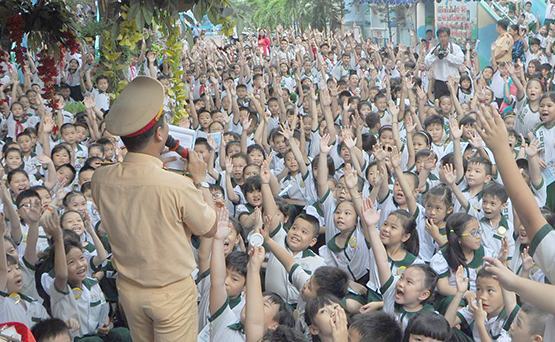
(403, 192)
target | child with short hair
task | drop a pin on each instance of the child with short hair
(438, 204)
(529, 324)
(51, 330)
(72, 294)
(478, 173)
(427, 326)
(545, 133)
(15, 306)
(224, 324)
(69, 136)
(496, 229)
(374, 326)
(490, 314)
(297, 241)
(321, 315)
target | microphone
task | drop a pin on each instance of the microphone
(173, 145)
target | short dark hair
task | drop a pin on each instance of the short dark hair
(433, 119)
(496, 190)
(443, 29)
(24, 195)
(503, 23)
(49, 329)
(71, 168)
(428, 324)
(377, 326)
(314, 305)
(312, 220)
(331, 280)
(482, 161)
(237, 261)
(134, 144)
(283, 333)
(252, 184)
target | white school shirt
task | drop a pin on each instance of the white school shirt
(277, 278)
(541, 249)
(546, 137)
(526, 118)
(203, 287)
(299, 277)
(225, 326)
(396, 267)
(352, 258)
(292, 186)
(540, 193)
(81, 155)
(497, 326)
(29, 287)
(426, 242)
(387, 291)
(32, 121)
(492, 237)
(101, 100)
(87, 305)
(441, 267)
(326, 206)
(21, 308)
(42, 241)
(515, 265)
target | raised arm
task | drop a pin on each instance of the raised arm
(462, 287)
(268, 203)
(495, 135)
(322, 172)
(534, 168)
(451, 179)
(101, 253)
(370, 217)
(218, 294)
(403, 181)
(10, 212)
(456, 134)
(254, 320)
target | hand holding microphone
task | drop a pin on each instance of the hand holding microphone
(195, 165)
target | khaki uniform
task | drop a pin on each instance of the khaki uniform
(149, 214)
(503, 43)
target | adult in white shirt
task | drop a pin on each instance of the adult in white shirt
(444, 59)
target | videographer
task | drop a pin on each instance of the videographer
(444, 59)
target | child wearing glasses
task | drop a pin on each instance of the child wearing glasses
(464, 248)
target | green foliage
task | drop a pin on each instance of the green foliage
(320, 14)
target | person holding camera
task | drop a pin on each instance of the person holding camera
(444, 60)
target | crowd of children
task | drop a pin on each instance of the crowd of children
(386, 214)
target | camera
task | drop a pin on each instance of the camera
(442, 53)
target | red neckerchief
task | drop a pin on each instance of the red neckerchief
(19, 128)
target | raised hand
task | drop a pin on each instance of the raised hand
(324, 144)
(533, 148)
(265, 175)
(223, 223)
(379, 153)
(527, 261)
(395, 157)
(454, 128)
(257, 255)
(493, 130)
(449, 174)
(476, 141)
(461, 280)
(350, 176)
(370, 215)
(286, 131)
(88, 101)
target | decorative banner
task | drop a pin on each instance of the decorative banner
(458, 16)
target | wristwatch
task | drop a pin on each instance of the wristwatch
(202, 185)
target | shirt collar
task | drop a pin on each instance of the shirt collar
(142, 158)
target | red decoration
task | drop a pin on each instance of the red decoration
(15, 25)
(48, 71)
